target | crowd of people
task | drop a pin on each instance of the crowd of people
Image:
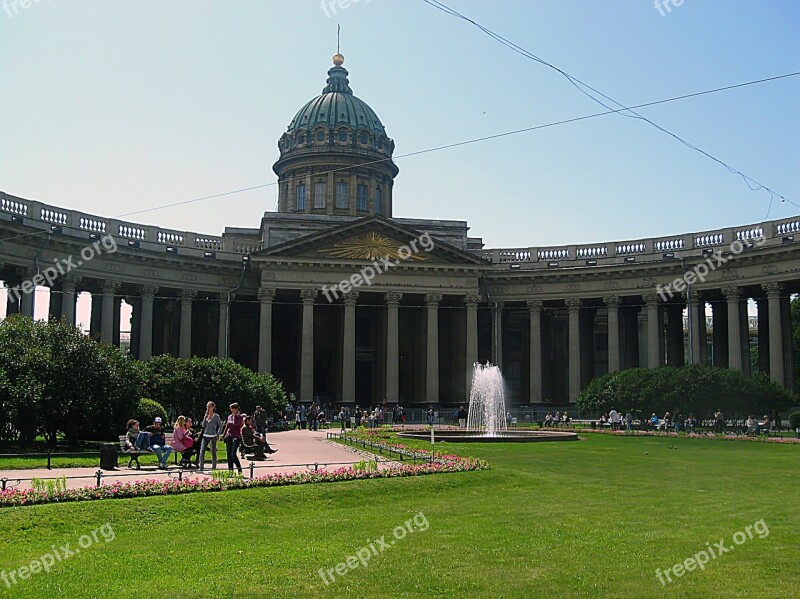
(238, 431)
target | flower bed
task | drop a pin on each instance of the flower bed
(714, 436)
(148, 488)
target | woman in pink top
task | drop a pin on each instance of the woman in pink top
(232, 434)
(182, 440)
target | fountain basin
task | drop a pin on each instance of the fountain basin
(468, 436)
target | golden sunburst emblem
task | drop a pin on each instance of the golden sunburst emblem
(372, 247)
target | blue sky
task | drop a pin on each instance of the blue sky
(113, 107)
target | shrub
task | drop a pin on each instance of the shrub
(147, 410)
(57, 380)
(187, 385)
(794, 420)
(694, 389)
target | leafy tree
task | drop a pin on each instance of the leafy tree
(188, 384)
(695, 389)
(57, 380)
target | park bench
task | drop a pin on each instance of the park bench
(134, 455)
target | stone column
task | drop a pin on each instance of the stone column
(27, 299)
(471, 302)
(612, 305)
(224, 321)
(432, 300)
(392, 347)
(497, 334)
(308, 297)
(653, 332)
(330, 193)
(535, 366)
(733, 295)
(146, 322)
(675, 345)
(185, 347)
(774, 291)
(68, 289)
(265, 296)
(349, 347)
(574, 340)
(107, 315)
(696, 321)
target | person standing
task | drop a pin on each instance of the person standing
(232, 435)
(613, 416)
(260, 420)
(342, 419)
(462, 417)
(356, 417)
(719, 422)
(211, 427)
(430, 415)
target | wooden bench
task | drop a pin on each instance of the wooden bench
(134, 455)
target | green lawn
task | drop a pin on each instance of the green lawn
(589, 518)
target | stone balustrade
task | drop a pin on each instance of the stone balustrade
(153, 238)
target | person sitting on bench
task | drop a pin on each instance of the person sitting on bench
(251, 439)
(135, 439)
(158, 442)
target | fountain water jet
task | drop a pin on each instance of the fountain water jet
(487, 404)
(486, 418)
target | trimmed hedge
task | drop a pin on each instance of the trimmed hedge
(693, 389)
(794, 420)
(147, 411)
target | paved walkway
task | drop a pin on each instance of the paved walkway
(298, 451)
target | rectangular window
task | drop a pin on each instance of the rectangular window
(361, 198)
(378, 201)
(341, 195)
(319, 195)
(301, 197)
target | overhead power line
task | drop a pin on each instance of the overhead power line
(580, 85)
(455, 145)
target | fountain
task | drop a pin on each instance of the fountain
(486, 416)
(487, 404)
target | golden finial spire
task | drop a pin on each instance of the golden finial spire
(338, 59)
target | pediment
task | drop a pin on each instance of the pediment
(370, 239)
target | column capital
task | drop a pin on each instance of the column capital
(350, 299)
(573, 304)
(225, 299)
(432, 300)
(308, 295)
(471, 300)
(187, 295)
(690, 296)
(266, 294)
(651, 299)
(535, 305)
(612, 301)
(393, 299)
(149, 292)
(773, 289)
(110, 287)
(69, 283)
(732, 293)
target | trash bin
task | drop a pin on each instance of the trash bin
(108, 456)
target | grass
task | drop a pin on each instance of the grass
(592, 518)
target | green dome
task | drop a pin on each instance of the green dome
(337, 106)
(336, 120)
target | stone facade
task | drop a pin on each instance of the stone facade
(273, 297)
